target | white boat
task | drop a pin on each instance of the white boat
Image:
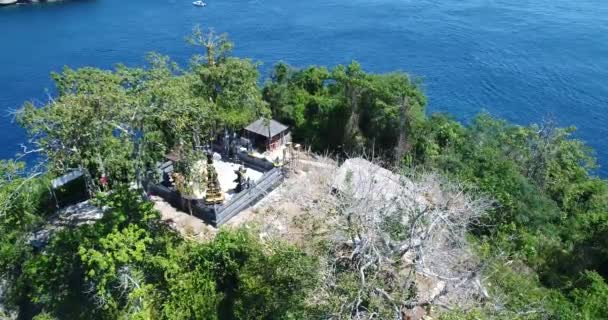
(199, 3)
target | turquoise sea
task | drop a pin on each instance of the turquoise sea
(523, 60)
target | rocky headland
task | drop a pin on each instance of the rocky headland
(10, 2)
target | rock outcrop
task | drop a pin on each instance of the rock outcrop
(7, 2)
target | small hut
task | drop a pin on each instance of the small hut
(267, 134)
(70, 188)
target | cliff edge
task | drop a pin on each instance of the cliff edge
(9, 2)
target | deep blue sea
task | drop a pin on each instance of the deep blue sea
(523, 60)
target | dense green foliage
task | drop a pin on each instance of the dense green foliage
(117, 123)
(23, 204)
(345, 108)
(550, 210)
(131, 265)
(545, 241)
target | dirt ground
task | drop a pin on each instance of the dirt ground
(190, 227)
(274, 215)
(289, 212)
(300, 211)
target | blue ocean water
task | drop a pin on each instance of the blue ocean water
(523, 60)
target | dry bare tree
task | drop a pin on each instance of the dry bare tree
(392, 244)
(216, 46)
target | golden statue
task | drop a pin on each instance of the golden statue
(214, 193)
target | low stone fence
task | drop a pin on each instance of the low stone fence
(199, 209)
(249, 197)
(259, 164)
(217, 215)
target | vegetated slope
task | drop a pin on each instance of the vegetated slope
(487, 224)
(387, 245)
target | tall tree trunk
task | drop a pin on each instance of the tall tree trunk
(210, 53)
(403, 145)
(351, 129)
